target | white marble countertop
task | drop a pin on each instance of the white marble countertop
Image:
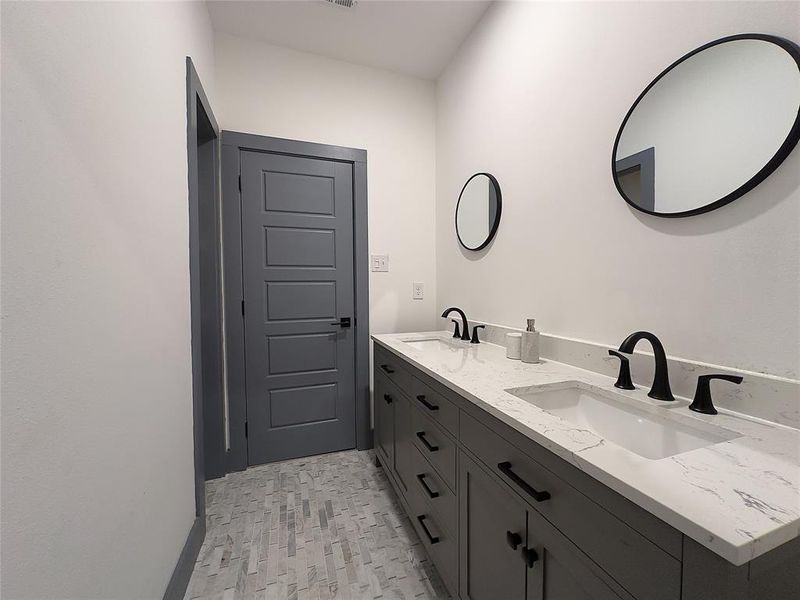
(739, 498)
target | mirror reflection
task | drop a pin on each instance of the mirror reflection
(478, 211)
(711, 127)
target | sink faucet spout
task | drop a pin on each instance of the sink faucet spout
(464, 322)
(661, 389)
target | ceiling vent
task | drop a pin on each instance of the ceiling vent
(342, 3)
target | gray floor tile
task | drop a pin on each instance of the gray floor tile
(321, 527)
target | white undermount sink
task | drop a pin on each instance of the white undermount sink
(431, 344)
(649, 431)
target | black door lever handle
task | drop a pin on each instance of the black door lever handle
(344, 322)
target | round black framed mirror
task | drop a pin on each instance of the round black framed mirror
(710, 127)
(478, 211)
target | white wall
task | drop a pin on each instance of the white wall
(270, 90)
(535, 96)
(97, 464)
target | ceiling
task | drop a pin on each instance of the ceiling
(415, 37)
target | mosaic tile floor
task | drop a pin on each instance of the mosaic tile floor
(321, 527)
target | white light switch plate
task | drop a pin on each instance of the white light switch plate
(379, 263)
(418, 292)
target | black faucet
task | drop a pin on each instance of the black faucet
(624, 378)
(456, 330)
(475, 339)
(702, 402)
(660, 389)
(464, 322)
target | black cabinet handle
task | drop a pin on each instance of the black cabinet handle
(427, 404)
(388, 398)
(529, 555)
(513, 539)
(428, 445)
(387, 369)
(505, 468)
(432, 538)
(430, 492)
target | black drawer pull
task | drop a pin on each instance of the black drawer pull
(430, 492)
(427, 404)
(513, 539)
(432, 538)
(428, 445)
(530, 556)
(388, 398)
(387, 369)
(505, 468)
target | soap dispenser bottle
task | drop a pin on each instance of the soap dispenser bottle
(529, 351)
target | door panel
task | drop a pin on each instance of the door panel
(561, 571)
(297, 259)
(489, 516)
(304, 248)
(559, 583)
(299, 354)
(300, 300)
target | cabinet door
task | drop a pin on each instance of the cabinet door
(560, 571)
(493, 526)
(384, 421)
(403, 446)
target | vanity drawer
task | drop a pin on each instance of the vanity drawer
(431, 488)
(390, 365)
(635, 562)
(440, 542)
(434, 445)
(432, 403)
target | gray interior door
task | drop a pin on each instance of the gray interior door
(297, 262)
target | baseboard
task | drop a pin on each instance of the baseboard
(176, 588)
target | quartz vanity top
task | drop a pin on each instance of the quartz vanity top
(739, 498)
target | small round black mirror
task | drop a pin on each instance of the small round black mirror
(478, 211)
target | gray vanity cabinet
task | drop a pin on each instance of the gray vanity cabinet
(494, 528)
(384, 420)
(393, 437)
(478, 491)
(403, 446)
(508, 551)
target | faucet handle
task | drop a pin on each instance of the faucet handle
(702, 402)
(456, 331)
(624, 378)
(475, 339)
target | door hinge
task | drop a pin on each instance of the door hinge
(242, 307)
(240, 183)
(245, 429)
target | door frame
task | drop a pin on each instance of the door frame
(196, 101)
(233, 143)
